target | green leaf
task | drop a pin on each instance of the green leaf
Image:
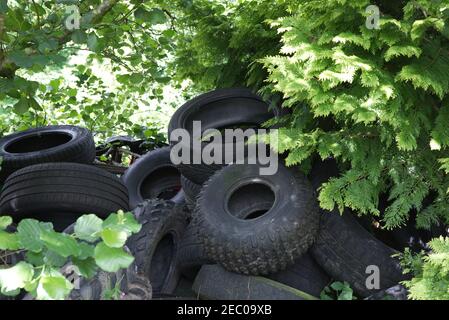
(53, 286)
(123, 221)
(113, 237)
(155, 16)
(92, 42)
(5, 221)
(16, 277)
(87, 251)
(3, 6)
(79, 37)
(53, 259)
(9, 241)
(86, 268)
(22, 106)
(29, 232)
(111, 259)
(61, 244)
(35, 258)
(88, 227)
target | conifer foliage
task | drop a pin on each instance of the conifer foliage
(373, 98)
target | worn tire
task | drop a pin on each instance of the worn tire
(217, 109)
(191, 256)
(344, 248)
(215, 283)
(305, 275)
(46, 144)
(191, 191)
(155, 247)
(254, 224)
(152, 176)
(61, 192)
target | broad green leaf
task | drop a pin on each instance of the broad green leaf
(111, 259)
(79, 37)
(155, 16)
(53, 286)
(9, 241)
(22, 106)
(54, 259)
(61, 244)
(29, 232)
(86, 268)
(113, 237)
(35, 258)
(5, 221)
(16, 277)
(88, 227)
(87, 251)
(123, 221)
(92, 42)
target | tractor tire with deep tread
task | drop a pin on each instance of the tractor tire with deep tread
(255, 224)
(155, 247)
(191, 191)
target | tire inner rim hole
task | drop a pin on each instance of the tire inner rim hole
(38, 142)
(163, 183)
(161, 264)
(251, 201)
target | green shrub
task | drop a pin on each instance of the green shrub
(374, 99)
(94, 244)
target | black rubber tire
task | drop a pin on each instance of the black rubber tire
(153, 176)
(217, 109)
(191, 254)
(154, 256)
(261, 244)
(191, 191)
(215, 283)
(61, 192)
(46, 144)
(305, 275)
(344, 249)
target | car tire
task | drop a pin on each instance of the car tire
(255, 224)
(305, 275)
(345, 249)
(152, 176)
(215, 283)
(61, 192)
(155, 247)
(216, 110)
(46, 144)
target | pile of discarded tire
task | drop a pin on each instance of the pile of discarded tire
(209, 231)
(232, 233)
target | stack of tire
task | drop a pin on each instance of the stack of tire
(242, 235)
(47, 174)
